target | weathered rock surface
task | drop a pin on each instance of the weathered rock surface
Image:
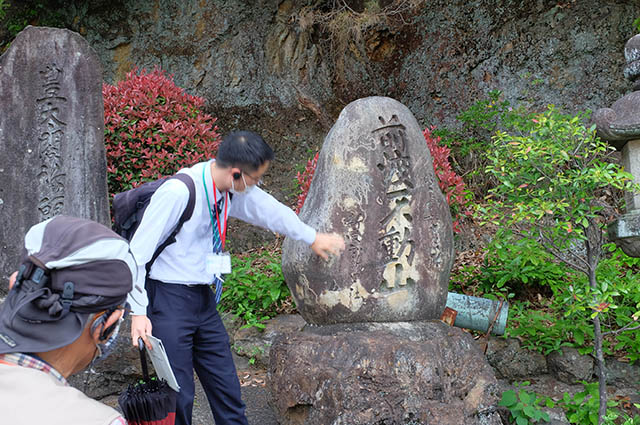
(374, 184)
(512, 362)
(436, 59)
(394, 373)
(52, 156)
(570, 366)
(256, 344)
(622, 373)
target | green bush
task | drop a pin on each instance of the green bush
(470, 143)
(518, 266)
(255, 290)
(562, 319)
(542, 330)
(554, 178)
(582, 408)
(525, 406)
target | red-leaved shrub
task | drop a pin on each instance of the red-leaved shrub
(450, 183)
(152, 129)
(304, 181)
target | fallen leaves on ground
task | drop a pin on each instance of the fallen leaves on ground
(256, 378)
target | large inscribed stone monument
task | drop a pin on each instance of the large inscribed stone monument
(52, 156)
(375, 185)
(378, 354)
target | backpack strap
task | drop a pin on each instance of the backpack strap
(186, 215)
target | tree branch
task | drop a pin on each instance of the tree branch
(622, 329)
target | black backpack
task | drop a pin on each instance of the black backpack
(129, 207)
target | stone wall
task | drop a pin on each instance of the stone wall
(257, 54)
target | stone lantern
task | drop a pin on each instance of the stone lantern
(620, 126)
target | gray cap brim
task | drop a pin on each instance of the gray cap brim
(20, 331)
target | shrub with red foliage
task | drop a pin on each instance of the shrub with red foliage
(450, 183)
(304, 181)
(152, 129)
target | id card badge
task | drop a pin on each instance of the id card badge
(219, 263)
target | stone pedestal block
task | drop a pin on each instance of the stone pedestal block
(377, 373)
(375, 185)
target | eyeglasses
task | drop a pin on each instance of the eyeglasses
(258, 180)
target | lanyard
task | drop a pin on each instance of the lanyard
(222, 234)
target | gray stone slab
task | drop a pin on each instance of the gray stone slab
(52, 156)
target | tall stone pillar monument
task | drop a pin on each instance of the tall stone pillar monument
(620, 126)
(52, 156)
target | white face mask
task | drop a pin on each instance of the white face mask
(246, 190)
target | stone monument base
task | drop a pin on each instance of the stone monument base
(382, 373)
(625, 232)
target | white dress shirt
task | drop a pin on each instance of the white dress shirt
(183, 262)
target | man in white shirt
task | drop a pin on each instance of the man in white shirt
(177, 303)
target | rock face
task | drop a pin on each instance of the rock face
(569, 366)
(399, 373)
(375, 185)
(512, 362)
(437, 59)
(52, 156)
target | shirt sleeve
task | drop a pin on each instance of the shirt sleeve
(160, 218)
(261, 209)
(119, 421)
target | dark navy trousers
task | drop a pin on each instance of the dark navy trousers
(185, 318)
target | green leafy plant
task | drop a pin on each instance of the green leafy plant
(636, 24)
(562, 319)
(553, 176)
(255, 290)
(251, 352)
(470, 143)
(4, 5)
(519, 265)
(525, 406)
(582, 408)
(256, 351)
(36, 13)
(541, 330)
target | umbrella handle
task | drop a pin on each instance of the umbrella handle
(143, 360)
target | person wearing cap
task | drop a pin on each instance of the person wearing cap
(62, 313)
(178, 305)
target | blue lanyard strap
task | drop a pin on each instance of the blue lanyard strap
(213, 224)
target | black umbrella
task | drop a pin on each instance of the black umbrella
(149, 402)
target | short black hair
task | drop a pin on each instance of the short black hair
(243, 149)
